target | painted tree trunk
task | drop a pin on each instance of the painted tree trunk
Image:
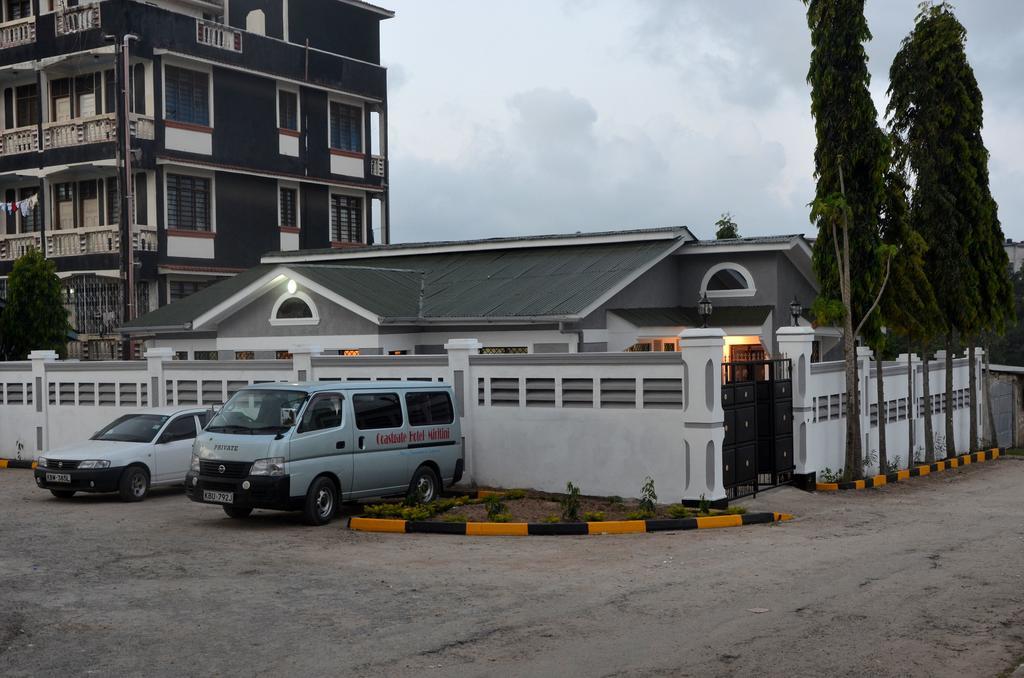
(883, 458)
(929, 433)
(973, 394)
(910, 405)
(948, 413)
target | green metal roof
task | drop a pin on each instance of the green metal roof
(678, 316)
(523, 283)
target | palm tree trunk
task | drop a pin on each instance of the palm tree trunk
(929, 432)
(948, 409)
(883, 458)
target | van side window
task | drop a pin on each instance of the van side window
(429, 408)
(377, 410)
(323, 412)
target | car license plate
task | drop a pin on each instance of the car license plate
(58, 477)
(219, 497)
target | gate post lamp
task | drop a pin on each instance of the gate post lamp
(704, 309)
(796, 310)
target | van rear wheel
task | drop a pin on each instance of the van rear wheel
(237, 511)
(425, 485)
(321, 502)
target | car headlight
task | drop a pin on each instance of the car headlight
(272, 466)
(41, 462)
(195, 462)
(94, 463)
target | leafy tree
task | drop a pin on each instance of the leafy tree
(726, 228)
(34, 316)
(935, 113)
(1008, 349)
(850, 160)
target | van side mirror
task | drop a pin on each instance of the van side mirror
(288, 415)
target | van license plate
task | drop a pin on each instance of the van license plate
(219, 497)
(58, 477)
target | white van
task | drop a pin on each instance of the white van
(309, 446)
(129, 455)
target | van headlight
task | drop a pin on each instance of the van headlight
(94, 463)
(195, 462)
(41, 462)
(271, 466)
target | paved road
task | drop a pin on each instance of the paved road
(924, 578)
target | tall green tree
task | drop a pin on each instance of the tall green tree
(935, 114)
(850, 160)
(34, 316)
(726, 227)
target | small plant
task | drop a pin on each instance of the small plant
(495, 507)
(639, 515)
(870, 460)
(892, 465)
(940, 447)
(648, 497)
(593, 516)
(704, 506)
(678, 511)
(830, 476)
(918, 456)
(550, 519)
(21, 448)
(415, 497)
(455, 518)
(512, 495)
(500, 517)
(571, 504)
(734, 510)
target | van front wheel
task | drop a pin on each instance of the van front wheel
(425, 485)
(321, 502)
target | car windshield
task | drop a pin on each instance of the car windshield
(256, 412)
(132, 428)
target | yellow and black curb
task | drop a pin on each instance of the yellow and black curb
(922, 470)
(17, 463)
(550, 529)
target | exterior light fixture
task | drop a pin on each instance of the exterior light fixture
(704, 309)
(292, 287)
(796, 309)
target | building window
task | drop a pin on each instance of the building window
(728, 280)
(113, 202)
(64, 206)
(179, 289)
(293, 308)
(346, 127)
(245, 355)
(89, 204)
(297, 308)
(18, 9)
(207, 355)
(503, 350)
(34, 221)
(346, 219)
(26, 105)
(288, 199)
(60, 100)
(350, 352)
(288, 110)
(283, 355)
(187, 96)
(181, 355)
(188, 203)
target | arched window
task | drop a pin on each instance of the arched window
(294, 309)
(728, 280)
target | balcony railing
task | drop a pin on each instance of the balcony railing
(143, 127)
(19, 140)
(80, 131)
(14, 246)
(377, 165)
(97, 240)
(78, 19)
(218, 35)
(18, 32)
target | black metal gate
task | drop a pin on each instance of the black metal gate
(757, 396)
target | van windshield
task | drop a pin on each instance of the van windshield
(256, 412)
(132, 428)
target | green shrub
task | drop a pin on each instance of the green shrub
(735, 511)
(678, 511)
(512, 495)
(571, 504)
(704, 506)
(455, 518)
(615, 501)
(417, 513)
(495, 507)
(593, 516)
(648, 497)
(500, 517)
(639, 515)
(550, 519)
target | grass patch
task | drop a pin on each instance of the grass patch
(1015, 451)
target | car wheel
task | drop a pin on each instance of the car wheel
(321, 502)
(425, 484)
(63, 494)
(134, 484)
(237, 511)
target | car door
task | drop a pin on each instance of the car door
(172, 452)
(322, 443)
(382, 444)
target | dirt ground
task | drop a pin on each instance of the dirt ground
(921, 578)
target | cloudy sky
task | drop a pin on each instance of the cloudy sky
(541, 116)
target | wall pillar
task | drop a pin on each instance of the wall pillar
(703, 419)
(916, 423)
(460, 377)
(869, 438)
(302, 362)
(41, 409)
(155, 358)
(797, 344)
